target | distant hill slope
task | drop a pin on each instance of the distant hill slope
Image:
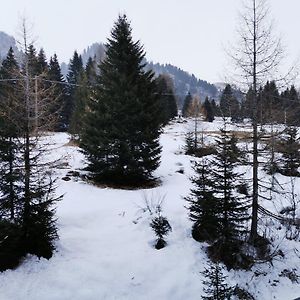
(185, 82)
(7, 41)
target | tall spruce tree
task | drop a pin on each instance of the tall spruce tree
(9, 132)
(231, 203)
(165, 89)
(229, 105)
(74, 76)
(203, 210)
(91, 71)
(186, 104)
(217, 206)
(290, 152)
(208, 110)
(121, 136)
(57, 81)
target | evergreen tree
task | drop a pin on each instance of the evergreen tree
(203, 210)
(229, 105)
(186, 104)
(37, 187)
(269, 104)
(74, 76)
(26, 215)
(91, 71)
(42, 65)
(290, 152)
(215, 108)
(31, 57)
(217, 205)
(80, 95)
(9, 171)
(120, 139)
(161, 227)
(208, 111)
(232, 205)
(216, 286)
(168, 104)
(57, 82)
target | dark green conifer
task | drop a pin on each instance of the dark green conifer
(74, 76)
(229, 105)
(215, 282)
(290, 152)
(57, 83)
(168, 104)
(186, 104)
(208, 110)
(122, 127)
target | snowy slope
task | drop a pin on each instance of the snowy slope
(106, 249)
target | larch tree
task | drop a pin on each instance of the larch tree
(256, 59)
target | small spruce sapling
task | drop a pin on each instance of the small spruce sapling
(216, 287)
(161, 227)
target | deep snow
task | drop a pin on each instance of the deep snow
(105, 250)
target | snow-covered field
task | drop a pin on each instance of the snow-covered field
(105, 250)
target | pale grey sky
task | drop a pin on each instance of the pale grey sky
(190, 34)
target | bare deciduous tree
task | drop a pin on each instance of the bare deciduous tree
(257, 59)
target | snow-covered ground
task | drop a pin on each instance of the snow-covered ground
(105, 250)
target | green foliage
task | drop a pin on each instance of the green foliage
(73, 97)
(122, 128)
(186, 104)
(290, 152)
(208, 110)
(27, 221)
(11, 248)
(59, 93)
(229, 105)
(161, 227)
(167, 99)
(203, 210)
(217, 207)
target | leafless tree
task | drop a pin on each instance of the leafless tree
(256, 59)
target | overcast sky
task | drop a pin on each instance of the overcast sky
(190, 34)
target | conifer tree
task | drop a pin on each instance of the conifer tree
(161, 227)
(80, 96)
(165, 89)
(74, 76)
(232, 205)
(9, 132)
(229, 105)
(122, 127)
(290, 152)
(38, 223)
(208, 110)
(57, 81)
(31, 228)
(42, 65)
(186, 104)
(31, 57)
(203, 210)
(217, 206)
(91, 71)
(216, 286)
